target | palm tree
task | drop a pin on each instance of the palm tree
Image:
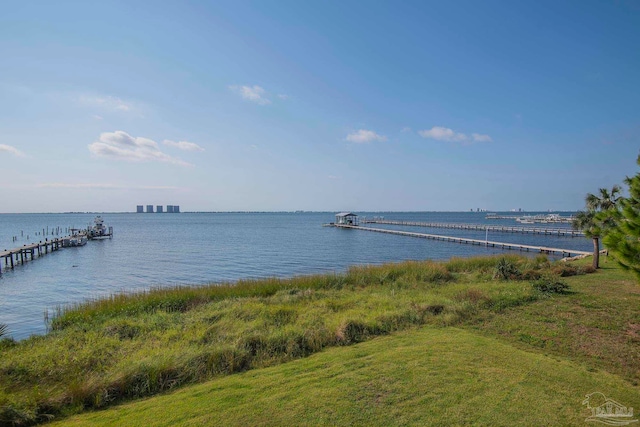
(608, 200)
(586, 221)
(3, 329)
(598, 217)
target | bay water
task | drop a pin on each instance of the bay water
(155, 250)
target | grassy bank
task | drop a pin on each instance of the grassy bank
(129, 346)
(521, 364)
(422, 377)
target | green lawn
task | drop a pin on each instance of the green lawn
(426, 376)
(597, 325)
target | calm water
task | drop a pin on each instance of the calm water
(198, 248)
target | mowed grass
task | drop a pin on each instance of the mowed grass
(423, 376)
(597, 324)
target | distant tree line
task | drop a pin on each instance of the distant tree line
(615, 220)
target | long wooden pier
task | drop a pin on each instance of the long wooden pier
(22, 254)
(501, 228)
(487, 243)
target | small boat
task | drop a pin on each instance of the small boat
(98, 230)
(527, 219)
(78, 238)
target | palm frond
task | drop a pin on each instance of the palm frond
(3, 329)
(605, 200)
(592, 201)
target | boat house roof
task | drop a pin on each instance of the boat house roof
(345, 214)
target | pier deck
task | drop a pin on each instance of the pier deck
(547, 231)
(487, 243)
(537, 218)
(22, 254)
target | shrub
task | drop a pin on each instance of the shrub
(531, 274)
(506, 269)
(564, 270)
(587, 269)
(3, 329)
(550, 285)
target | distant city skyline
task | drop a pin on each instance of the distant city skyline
(330, 106)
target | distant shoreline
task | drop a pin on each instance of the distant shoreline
(274, 212)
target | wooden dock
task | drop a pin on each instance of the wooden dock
(547, 231)
(22, 254)
(552, 218)
(463, 240)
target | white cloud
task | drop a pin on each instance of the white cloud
(445, 134)
(481, 138)
(406, 129)
(183, 145)
(110, 103)
(252, 93)
(97, 117)
(442, 134)
(119, 145)
(364, 136)
(11, 150)
(283, 96)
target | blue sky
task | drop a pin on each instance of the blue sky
(298, 105)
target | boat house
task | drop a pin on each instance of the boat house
(346, 218)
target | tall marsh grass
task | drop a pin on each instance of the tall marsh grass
(133, 345)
